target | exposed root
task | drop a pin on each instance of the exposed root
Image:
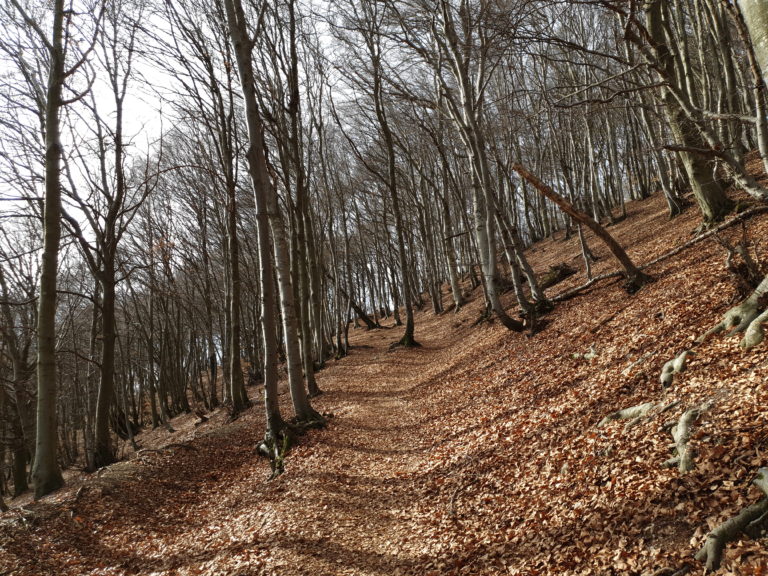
(674, 366)
(276, 449)
(681, 433)
(313, 421)
(628, 413)
(750, 521)
(754, 333)
(404, 343)
(745, 317)
(589, 355)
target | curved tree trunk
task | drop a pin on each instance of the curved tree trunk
(710, 196)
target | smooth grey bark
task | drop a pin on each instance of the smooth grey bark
(237, 392)
(262, 186)
(301, 405)
(46, 473)
(372, 41)
(302, 220)
(711, 198)
(755, 13)
(697, 140)
(466, 111)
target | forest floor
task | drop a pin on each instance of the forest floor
(476, 453)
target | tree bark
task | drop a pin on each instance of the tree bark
(711, 198)
(755, 14)
(634, 275)
(262, 186)
(45, 470)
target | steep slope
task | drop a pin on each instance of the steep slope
(475, 454)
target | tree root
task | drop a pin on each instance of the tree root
(751, 521)
(754, 333)
(630, 413)
(276, 449)
(681, 433)
(404, 343)
(674, 366)
(313, 421)
(745, 317)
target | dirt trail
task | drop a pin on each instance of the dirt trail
(363, 468)
(345, 504)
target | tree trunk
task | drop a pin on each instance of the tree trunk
(755, 14)
(634, 276)
(45, 471)
(236, 384)
(711, 198)
(262, 186)
(103, 454)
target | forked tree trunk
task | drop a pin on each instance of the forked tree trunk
(103, 453)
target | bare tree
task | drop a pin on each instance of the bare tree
(48, 95)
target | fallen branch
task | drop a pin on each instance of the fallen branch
(635, 277)
(735, 220)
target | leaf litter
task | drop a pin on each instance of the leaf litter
(477, 453)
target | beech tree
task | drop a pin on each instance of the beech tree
(47, 95)
(277, 437)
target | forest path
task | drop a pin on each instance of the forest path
(474, 454)
(350, 501)
(351, 497)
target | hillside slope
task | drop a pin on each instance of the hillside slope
(477, 453)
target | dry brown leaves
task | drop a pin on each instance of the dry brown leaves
(476, 454)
